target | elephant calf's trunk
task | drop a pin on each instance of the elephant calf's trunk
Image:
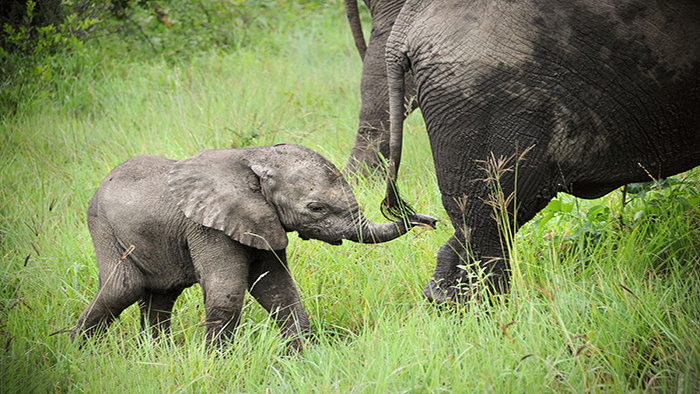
(372, 233)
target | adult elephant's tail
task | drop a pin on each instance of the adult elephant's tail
(356, 26)
(394, 207)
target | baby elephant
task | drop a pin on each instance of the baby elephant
(219, 219)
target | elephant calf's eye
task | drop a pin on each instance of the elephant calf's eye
(316, 207)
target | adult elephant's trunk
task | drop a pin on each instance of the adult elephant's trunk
(393, 207)
(371, 233)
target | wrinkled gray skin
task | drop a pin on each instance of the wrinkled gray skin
(219, 219)
(602, 93)
(371, 145)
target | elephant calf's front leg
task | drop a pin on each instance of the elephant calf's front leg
(273, 287)
(221, 324)
(223, 302)
(221, 265)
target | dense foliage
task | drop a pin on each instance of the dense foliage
(45, 42)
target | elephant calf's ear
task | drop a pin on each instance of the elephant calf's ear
(218, 190)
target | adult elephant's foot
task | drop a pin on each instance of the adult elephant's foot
(464, 290)
(461, 275)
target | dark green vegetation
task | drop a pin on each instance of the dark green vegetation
(605, 295)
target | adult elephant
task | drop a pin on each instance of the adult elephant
(372, 141)
(597, 93)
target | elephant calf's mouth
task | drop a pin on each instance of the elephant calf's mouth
(334, 242)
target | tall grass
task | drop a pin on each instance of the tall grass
(605, 301)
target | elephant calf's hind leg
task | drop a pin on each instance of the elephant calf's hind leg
(156, 311)
(101, 312)
(119, 288)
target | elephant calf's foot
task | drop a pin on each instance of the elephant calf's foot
(296, 344)
(438, 292)
(463, 292)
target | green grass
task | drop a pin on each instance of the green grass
(618, 314)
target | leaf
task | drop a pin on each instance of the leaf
(567, 207)
(545, 218)
(554, 205)
(598, 213)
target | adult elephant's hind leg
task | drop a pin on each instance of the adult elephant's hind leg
(371, 145)
(475, 258)
(461, 276)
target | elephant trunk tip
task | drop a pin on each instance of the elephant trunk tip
(417, 219)
(371, 233)
(394, 208)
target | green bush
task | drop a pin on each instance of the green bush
(31, 49)
(40, 40)
(15, 14)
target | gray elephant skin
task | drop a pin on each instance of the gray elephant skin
(582, 96)
(219, 219)
(371, 146)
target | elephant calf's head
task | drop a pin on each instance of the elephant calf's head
(256, 195)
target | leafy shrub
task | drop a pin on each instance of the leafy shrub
(40, 38)
(15, 15)
(31, 48)
(670, 200)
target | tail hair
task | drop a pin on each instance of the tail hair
(393, 206)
